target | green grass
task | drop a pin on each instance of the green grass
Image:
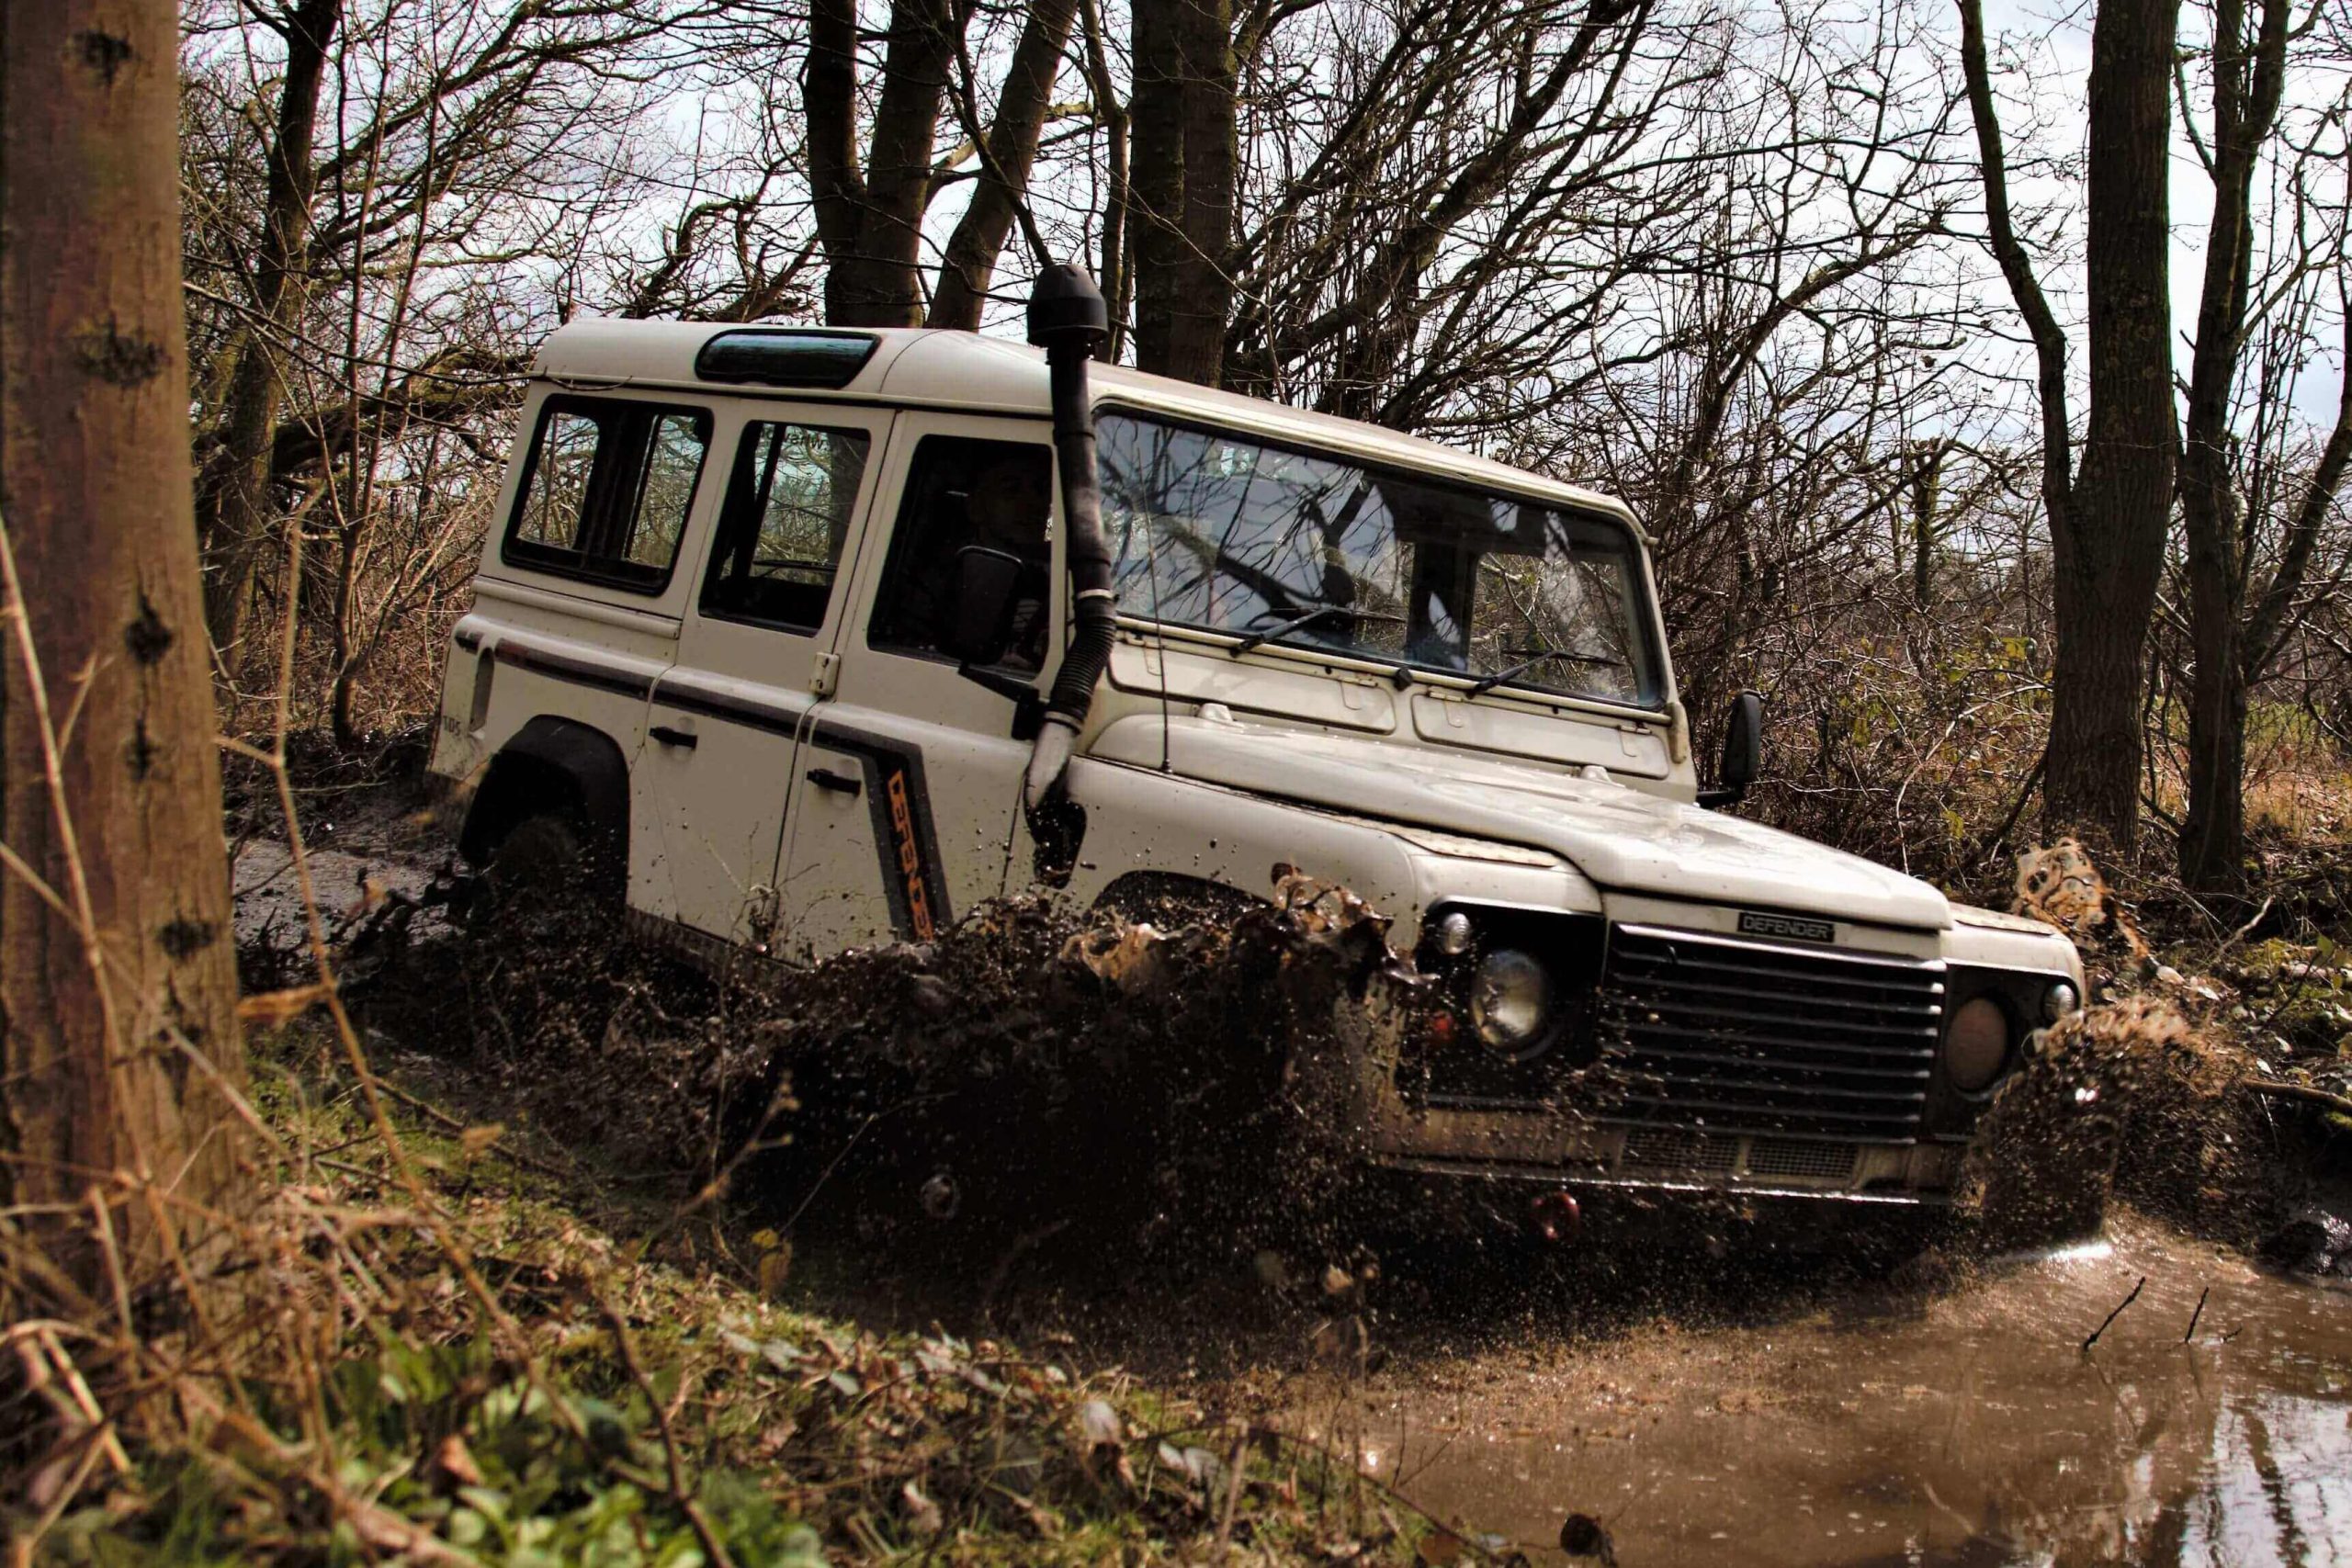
(620, 1407)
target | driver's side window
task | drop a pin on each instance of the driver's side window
(962, 491)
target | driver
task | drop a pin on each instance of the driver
(1007, 508)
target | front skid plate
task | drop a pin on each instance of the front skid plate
(1559, 1178)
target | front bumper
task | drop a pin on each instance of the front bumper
(1520, 1147)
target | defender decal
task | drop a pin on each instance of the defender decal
(1755, 922)
(911, 867)
(913, 880)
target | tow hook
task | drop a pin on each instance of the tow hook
(1553, 1216)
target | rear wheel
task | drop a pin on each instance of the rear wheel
(543, 865)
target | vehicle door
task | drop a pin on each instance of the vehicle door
(907, 804)
(581, 592)
(754, 659)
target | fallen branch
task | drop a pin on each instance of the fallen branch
(2245, 931)
(2193, 1316)
(2338, 1103)
(2116, 1313)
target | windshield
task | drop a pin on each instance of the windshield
(1312, 550)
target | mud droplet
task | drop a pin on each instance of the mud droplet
(1581, 1535)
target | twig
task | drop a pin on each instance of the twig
(2017, 807)
(499, 1147)
(2193, 1316)
(2113, 1316)
(679, 1493)
(2240, 935)
(2338, 1103)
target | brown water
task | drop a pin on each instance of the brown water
(1963, 1427)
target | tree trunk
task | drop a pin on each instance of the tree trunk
(1112, 271)
(1184, 113)
(1011, 150)
(1156, 180)
(870, 223)
(2248, 84)
(1927, 494)
(121, 1024)
(2111, 558)
(237, 513)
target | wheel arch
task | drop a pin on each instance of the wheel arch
(562, 763)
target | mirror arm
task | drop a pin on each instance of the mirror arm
(1714, 799)
(1028, 708)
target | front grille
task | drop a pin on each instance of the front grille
(1801, 1156)
(1677, 1148)
(1724, 1037)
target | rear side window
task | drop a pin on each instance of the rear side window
(790, 501)
(608, 491)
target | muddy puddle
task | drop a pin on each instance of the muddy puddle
(1965, 1427)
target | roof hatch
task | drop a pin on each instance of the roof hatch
(785, 358)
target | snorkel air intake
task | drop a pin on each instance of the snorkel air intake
(1068, 321)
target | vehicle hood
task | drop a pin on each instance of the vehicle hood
(1623, 839)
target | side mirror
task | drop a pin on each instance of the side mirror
(1743, 751)
(979, 620)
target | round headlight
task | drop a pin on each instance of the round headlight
(1451, 933)
(2059, 1001)
(1511, 1001)
(1976, 1045)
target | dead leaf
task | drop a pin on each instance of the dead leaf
(922, 1514)
(1099, 1426)
(775, 1267)
(1439, 1549)
(479, 1141)
(274, 1010)
(454, 1459)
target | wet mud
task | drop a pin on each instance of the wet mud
(1961, 1426)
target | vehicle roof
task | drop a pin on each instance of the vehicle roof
(938, 368)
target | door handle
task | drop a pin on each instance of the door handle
(682, 739)
(839, 784)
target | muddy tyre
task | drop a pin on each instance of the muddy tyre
(543, 865)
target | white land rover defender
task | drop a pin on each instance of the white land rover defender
(823, 637)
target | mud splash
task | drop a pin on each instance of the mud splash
(1967, 1428)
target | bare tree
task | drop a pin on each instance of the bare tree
(2108, 518)
(116, 964)
(2234, 522)
(1007, 150)
(233, 512)
(1184, 116)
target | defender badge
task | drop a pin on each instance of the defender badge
(1787, 927)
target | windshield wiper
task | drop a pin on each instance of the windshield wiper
(1260, 640)
(1486, 683)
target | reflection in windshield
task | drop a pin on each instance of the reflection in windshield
(1311, 550)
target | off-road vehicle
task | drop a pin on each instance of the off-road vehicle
(817, 638)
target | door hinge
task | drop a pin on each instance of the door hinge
(826, 675)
